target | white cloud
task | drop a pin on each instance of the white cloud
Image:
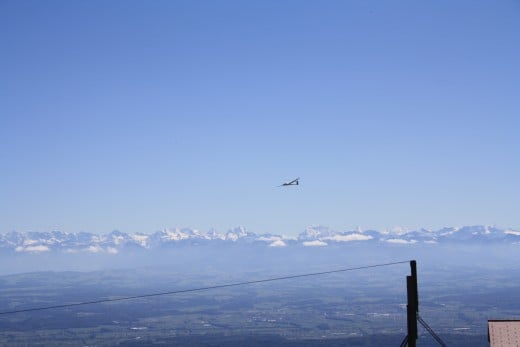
(99, 249)
(351, 237)
(39, 248)
(268, 238)
(94, 249)
(278, 243)
(512, 232)
(112, 250)
(401, 241)
(315, 243)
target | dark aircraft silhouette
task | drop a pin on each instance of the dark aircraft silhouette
(294, 182)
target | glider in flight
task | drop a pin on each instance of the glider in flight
(294, 182)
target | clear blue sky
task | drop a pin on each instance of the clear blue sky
(139, 115)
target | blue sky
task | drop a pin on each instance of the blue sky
(140, 115)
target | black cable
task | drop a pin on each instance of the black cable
(404, 343)
(201, 288)
(430, 330)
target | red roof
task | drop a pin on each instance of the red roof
(504, 333)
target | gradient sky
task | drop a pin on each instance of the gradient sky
(140, 115)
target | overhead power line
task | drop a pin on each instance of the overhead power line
(201, 288)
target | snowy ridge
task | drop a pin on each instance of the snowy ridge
(313, 236)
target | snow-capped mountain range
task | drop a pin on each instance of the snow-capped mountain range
(314, 236)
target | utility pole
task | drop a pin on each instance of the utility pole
(412, 308)
(412, 311)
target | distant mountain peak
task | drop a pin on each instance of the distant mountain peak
(316, 235)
